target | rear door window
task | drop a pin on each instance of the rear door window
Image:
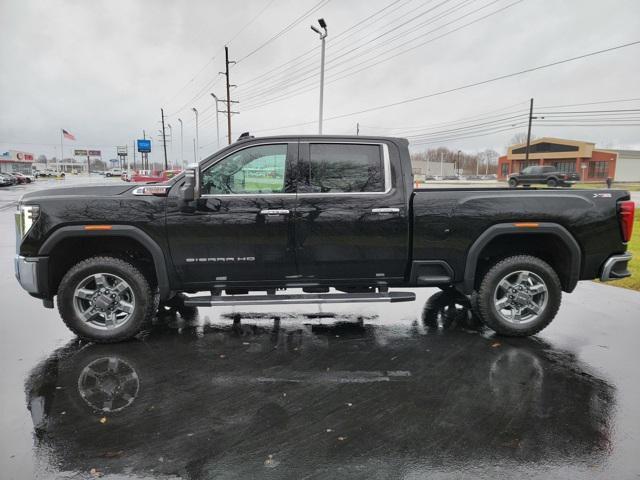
(344, 168)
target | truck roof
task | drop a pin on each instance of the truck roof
(320, 137)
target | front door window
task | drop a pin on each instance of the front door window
(254, 170)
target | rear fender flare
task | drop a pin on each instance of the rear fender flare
(511, 229)
(135, 233)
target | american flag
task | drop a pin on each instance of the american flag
(67, 135)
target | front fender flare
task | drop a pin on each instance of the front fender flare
(511, 229)
(130, 231)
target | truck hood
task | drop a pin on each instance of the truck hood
(79, 191)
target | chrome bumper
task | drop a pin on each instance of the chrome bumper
(616, 267)
(27, 273)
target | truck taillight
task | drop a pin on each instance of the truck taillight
(626, 211)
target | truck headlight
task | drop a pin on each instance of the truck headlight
(27, 216)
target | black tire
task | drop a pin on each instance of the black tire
(513, 183)
(143, 295)
(552, 182)
(485, 295)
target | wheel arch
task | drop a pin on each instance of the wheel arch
(527, 233)
(121, 232)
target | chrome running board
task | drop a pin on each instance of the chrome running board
(214, 300)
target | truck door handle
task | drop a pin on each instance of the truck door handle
(273, 213)
(385, 211)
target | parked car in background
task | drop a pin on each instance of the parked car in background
(7, 180)
(19, 178)
(149, 176)
(22, 178)
(114, 172)
(543, 174)
(49, 172)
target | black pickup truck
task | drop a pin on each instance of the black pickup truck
(312, 212)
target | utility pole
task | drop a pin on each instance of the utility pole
(134, 155)
(164, 142)
(526, 152)
(171, 143)
(195, 159)
(217, 121)
(441, 165)
(181, 144)
(323, 36)
(227, 62)
(358, 128)
(145, 156)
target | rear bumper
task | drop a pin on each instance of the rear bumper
(32, 274)
(615, 267)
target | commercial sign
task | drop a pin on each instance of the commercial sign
(144, 145)
(24, 157)
(122, 151)
(85, 153)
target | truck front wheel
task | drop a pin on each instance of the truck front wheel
(105, 299)
(519, 296)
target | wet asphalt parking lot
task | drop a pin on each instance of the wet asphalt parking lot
(415, 390)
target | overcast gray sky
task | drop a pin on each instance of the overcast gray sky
(103, 69)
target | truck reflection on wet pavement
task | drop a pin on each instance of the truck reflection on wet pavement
(258, 396)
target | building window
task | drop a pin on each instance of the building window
(505, 169)
(568, 166)
(598, 169)
(546, 147)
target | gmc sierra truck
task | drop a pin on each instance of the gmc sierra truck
(313, 213)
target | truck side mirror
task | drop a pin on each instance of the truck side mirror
(189, 191)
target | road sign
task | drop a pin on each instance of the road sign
(144, 145)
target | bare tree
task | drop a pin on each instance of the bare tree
(520, 138)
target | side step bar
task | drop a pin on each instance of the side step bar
(213, 300)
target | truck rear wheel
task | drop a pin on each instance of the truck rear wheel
(105, 299)
(519, 296)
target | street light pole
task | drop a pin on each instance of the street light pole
(197, 144)
(181, 144)
(323, 36)
(217, 121)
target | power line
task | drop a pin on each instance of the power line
(313, 9)
(290, 77)
(336, 40)
(243, 28)
(484, 82)
(463, 87)
(378, 61)
(333, 63)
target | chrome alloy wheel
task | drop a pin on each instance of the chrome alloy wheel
(104, 301)
(520, 297)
